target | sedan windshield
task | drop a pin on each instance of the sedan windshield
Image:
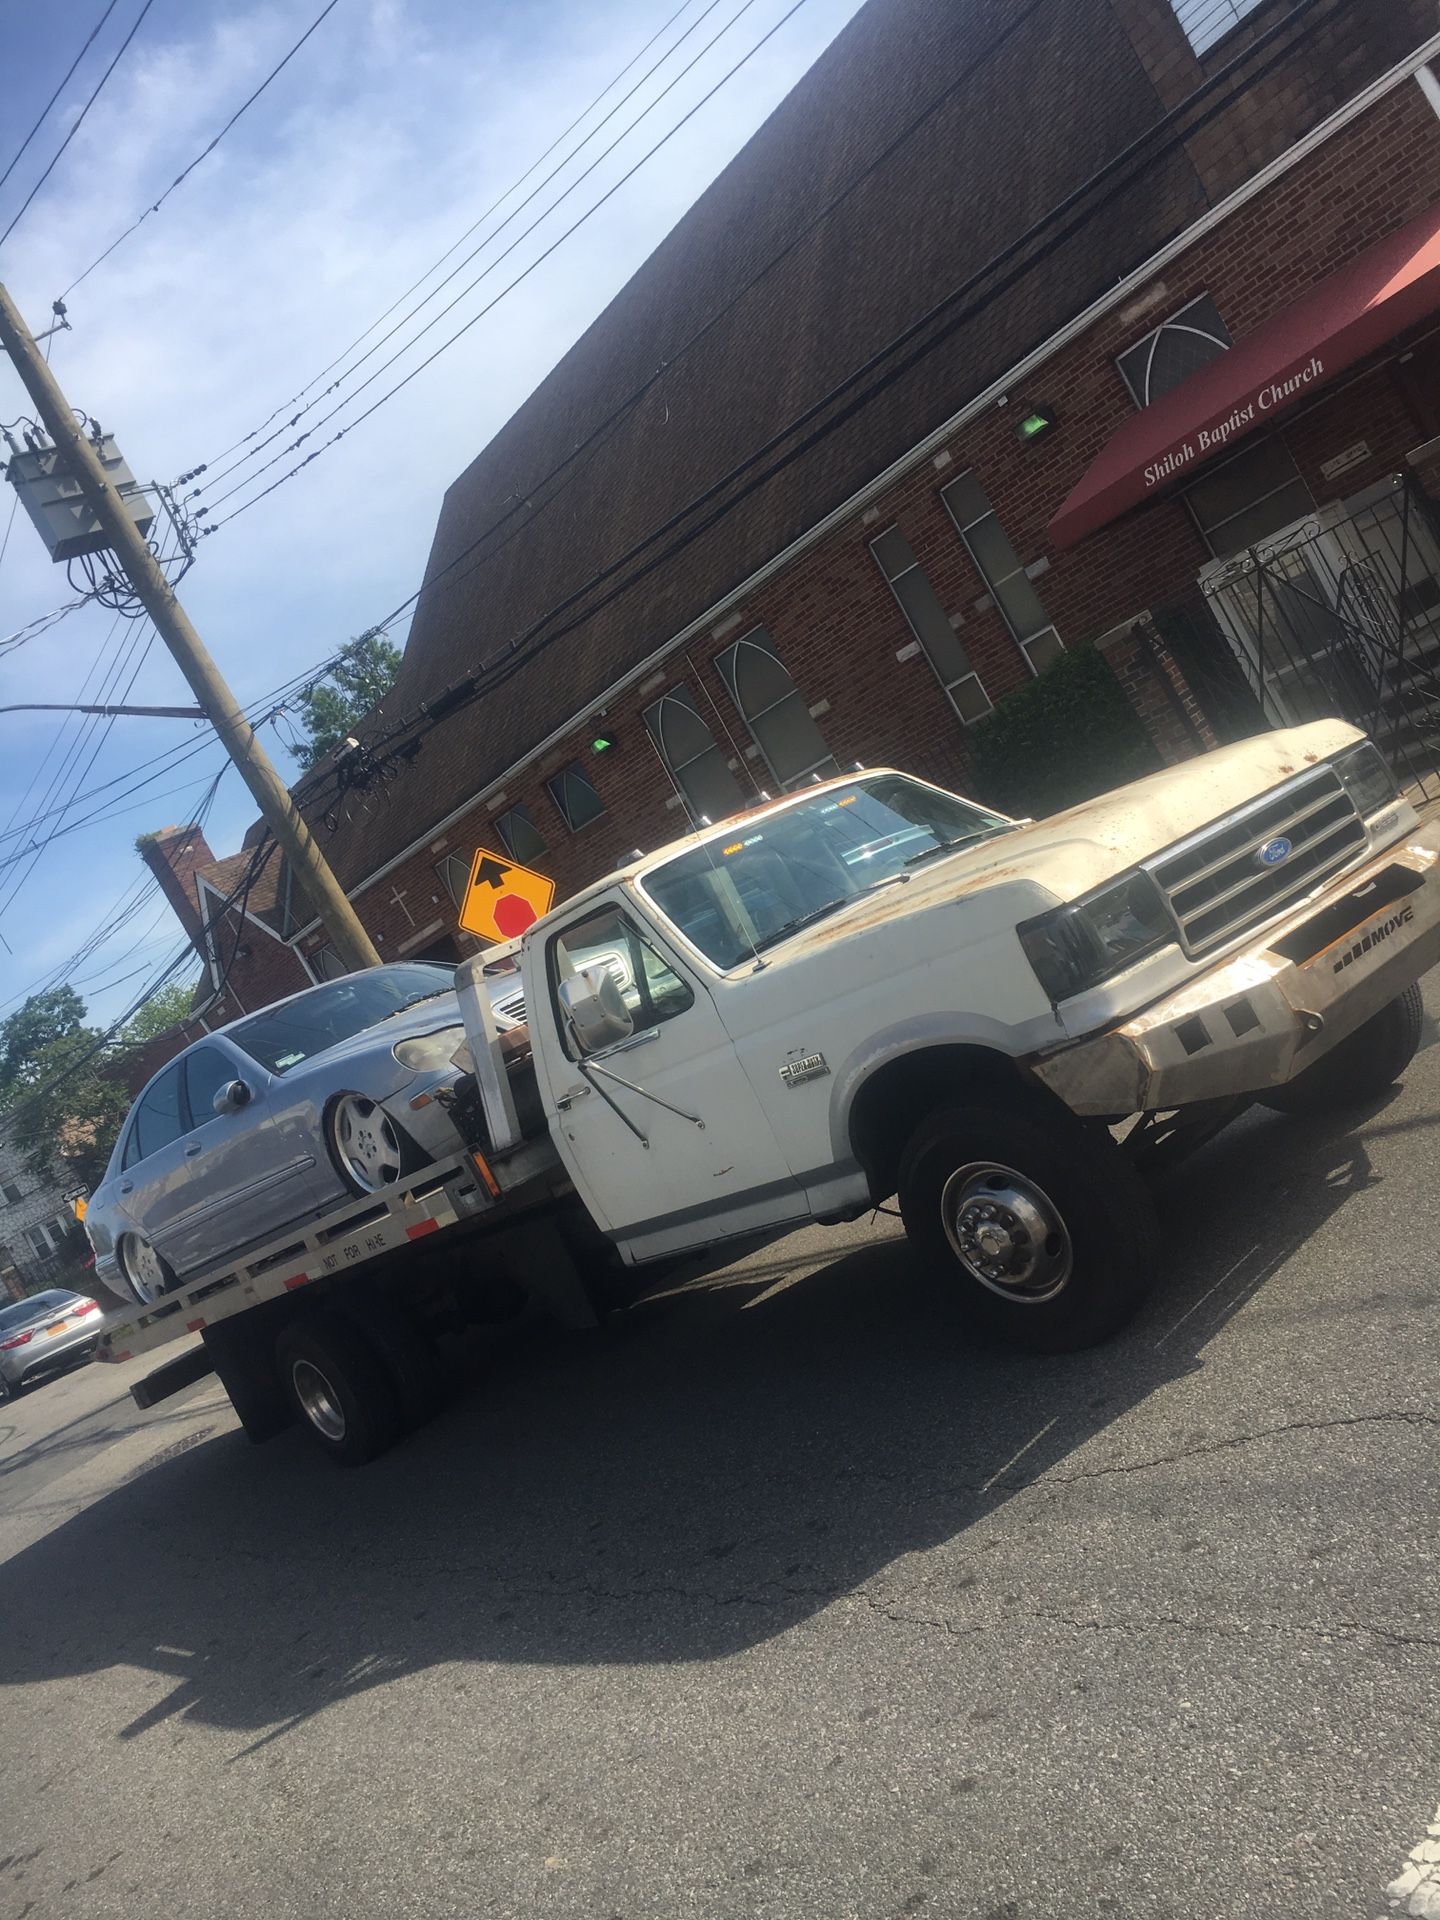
(734, 896)
(283, 1036)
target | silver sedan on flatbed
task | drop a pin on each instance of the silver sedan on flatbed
(278, 1116)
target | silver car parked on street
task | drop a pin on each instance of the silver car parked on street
(48, 1331)
(277, 1117)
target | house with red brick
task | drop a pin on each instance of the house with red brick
(1020, 328)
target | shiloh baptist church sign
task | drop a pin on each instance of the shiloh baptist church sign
(1248, 413)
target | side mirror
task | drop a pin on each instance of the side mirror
(231, 1097)
(592, 1004)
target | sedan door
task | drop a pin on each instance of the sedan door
(246, 1178)
(152, 1187)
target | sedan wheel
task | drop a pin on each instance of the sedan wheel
(144, 1272)
(366, 1143)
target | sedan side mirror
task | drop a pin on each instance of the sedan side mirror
(231, 1097)
(592, 1004)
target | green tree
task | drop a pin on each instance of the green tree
(60, 1097)
(357, 683)
(162, 1010)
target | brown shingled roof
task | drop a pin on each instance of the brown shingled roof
(967, 183)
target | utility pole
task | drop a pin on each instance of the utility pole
(141, 568)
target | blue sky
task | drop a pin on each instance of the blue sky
(390, 132)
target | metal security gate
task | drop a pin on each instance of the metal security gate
(1340, 614)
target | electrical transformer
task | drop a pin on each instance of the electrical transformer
(52, 498)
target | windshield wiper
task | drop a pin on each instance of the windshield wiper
(803, 920)
(418, 1001)
(949, 846)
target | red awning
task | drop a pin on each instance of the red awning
(1390, 287)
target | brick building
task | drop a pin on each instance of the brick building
(40, 1242)
(1009, 331)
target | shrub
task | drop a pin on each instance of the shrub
(1070, 734)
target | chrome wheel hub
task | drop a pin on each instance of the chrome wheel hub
(367, 1142)
(143, 1269)
(318, 1400)
(1006, 1232)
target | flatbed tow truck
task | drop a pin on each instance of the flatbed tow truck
(868, 987)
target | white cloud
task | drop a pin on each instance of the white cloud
(388, 134)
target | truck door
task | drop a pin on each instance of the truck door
(661, 1132)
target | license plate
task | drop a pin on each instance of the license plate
(57, 1326)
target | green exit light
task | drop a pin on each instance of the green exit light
(1035, 423)
(602, 743)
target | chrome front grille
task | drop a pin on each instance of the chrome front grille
(1217, 885)
(511, 1007)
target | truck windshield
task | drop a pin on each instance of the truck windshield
(740, 892)
(298, 1029)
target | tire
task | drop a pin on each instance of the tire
(1365, 1063)
(147, 1276)
(1030, 1227)
(365, 1144)
(244, 1360)
(340, 1390)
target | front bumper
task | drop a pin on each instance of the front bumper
(1266, 1013)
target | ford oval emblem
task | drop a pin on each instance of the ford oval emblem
(1274, 851)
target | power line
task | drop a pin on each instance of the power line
(241, 890)
(525, 503)
(494, 204)
(42, 622)
(45, 110)
(79, 122)
(91, 725)
(205, 151)
(494, 233)
(171, 757)
(121, 911)
(490, 305)
(1144, 151)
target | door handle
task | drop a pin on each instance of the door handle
(195, 1146)
(127, 1186)
(568, 1098)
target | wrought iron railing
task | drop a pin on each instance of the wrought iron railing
(1340, 614)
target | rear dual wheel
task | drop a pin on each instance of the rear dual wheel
(339, 1389)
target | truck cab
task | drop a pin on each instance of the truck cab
(793, 1015)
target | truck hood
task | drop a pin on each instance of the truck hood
(1049, 862)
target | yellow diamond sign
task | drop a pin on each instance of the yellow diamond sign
(502, 899)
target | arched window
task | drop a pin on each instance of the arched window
(697, 765)
(1187, 341)
(774, 710)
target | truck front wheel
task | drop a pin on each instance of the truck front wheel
(1028, 1225)
(1363, 1064)
(340, 1389)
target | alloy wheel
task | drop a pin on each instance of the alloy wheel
(367, 1144)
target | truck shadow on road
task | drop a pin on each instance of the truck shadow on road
(720, 1472)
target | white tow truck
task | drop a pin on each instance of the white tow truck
(865, 988)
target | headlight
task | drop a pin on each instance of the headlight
(1366, 778)
(431, 1052)
(1075, 947)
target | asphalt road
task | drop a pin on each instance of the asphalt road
(780, 1603)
